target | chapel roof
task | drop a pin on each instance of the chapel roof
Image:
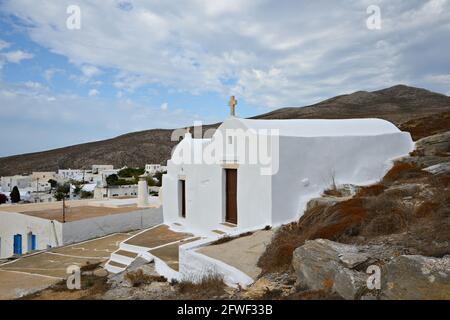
(319, 127)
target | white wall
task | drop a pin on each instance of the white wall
(47, 232)
(205, 196)
(354, 160)
(86, 229)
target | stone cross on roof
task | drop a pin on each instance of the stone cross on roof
(232, 103)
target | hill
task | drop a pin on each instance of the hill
(417, 110)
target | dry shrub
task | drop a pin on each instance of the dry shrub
(372, 190)
(333, 192)
(212, 284)
(427, 126)
(138, 278)
(90, 266)
(386, 215)
(426, 209)
(402, 171)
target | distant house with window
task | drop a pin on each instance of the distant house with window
(153, 168)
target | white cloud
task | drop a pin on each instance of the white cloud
(439, 78)
(4, 45)
(17, 56)
(74, 118)
(51, 72)
(90, 71)
(269, 54)
(164, 106)
(93, 93)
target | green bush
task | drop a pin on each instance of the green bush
(15, 195)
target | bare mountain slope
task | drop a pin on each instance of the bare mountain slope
(419, 111)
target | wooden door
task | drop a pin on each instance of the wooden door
(183, 198)
(231, 195)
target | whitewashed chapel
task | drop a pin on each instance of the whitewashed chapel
(253, 173)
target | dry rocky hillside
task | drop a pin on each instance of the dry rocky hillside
(416, 110)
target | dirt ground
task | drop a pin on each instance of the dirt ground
(14, 284)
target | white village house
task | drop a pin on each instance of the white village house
(306, 156)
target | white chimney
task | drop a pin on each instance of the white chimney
(142, 192)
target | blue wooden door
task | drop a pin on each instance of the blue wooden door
(33, 242)
(17, 244)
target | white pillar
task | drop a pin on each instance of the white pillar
(142, 192)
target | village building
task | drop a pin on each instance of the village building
(43, 176)
(153, 168)
(102, 192)
(7, 183)
(25, 228)
(98, 168)
(71, 174)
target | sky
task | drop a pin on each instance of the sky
(79, 71)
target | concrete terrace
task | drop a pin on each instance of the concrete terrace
(31, 273)
(157, 236)
(75, 209)
(247, 248)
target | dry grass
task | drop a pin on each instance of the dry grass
(372, 213)
(333, 192)
(403, 171)
(318, 222)
(138, 278)
(427, 126)
(209, 286)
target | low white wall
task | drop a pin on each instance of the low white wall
(194, 266)
(86, 229)
(48, 232)
(308, 166)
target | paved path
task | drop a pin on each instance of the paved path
(39, 271)
(242, 253)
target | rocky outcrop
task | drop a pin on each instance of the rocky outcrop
(438, 144)
(439, 169)
(431, 151)
(416, 277)
(326, 265)
(340, 268)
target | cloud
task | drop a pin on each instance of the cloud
(93, 93)
(90, 71)
(269, 54)
(56, 120)
(17, 56)
(4, 44)
(164, 106)
(440, 78)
